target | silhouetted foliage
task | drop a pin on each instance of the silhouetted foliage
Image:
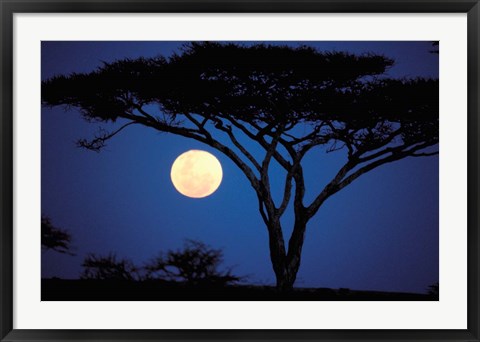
(287, 100)
(195, 264)
(434, 289)
(54, 238)
(108, 268)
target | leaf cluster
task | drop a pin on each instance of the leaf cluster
(259, 82)
(55, 238)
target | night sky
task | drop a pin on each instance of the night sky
(379, 233)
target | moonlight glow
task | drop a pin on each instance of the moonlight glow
(196, 174)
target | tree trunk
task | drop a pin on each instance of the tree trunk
(286, 265)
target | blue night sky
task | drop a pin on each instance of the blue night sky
(379, 233)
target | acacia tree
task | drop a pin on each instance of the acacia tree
(287, 100)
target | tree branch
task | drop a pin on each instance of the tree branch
(393, 157)
(425, 154)
(287, 193)
(259, 138)
(98, 142)
(262, 210)
(265, 181)
(292, 171)
(378, 145)
(328, 190)
(228, 130)
(339, 182)
(141, 111)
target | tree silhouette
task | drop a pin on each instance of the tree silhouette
(195, 264)
(108, 268)
(287, 100)
(54, 238)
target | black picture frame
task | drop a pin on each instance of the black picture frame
(9, 7)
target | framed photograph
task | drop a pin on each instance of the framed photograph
(240, 170)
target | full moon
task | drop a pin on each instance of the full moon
(196, 174)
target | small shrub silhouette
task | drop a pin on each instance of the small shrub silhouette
(195, 264)
(109, 268)
(54, 238)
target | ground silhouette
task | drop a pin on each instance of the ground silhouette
(190, 273)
